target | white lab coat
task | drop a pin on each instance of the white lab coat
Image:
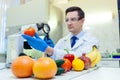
(83, 45)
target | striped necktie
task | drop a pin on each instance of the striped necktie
(74, 38)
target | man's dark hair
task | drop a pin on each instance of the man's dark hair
(81, 13)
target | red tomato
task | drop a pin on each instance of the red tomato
(66, 65)
(29, 31)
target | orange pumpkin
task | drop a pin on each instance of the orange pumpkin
(44, 67)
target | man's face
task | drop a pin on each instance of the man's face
(73, 23)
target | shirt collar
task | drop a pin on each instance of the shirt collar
(79, 35)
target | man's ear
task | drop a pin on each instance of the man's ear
(83, 19)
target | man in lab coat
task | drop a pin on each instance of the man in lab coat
(83, 42)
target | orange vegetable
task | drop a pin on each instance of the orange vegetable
(66, 65)
(29, 31)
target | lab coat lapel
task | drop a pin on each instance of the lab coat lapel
(80, 41)
(67, 42)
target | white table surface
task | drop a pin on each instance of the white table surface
(101, 73)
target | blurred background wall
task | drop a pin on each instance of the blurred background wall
(102, 18)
